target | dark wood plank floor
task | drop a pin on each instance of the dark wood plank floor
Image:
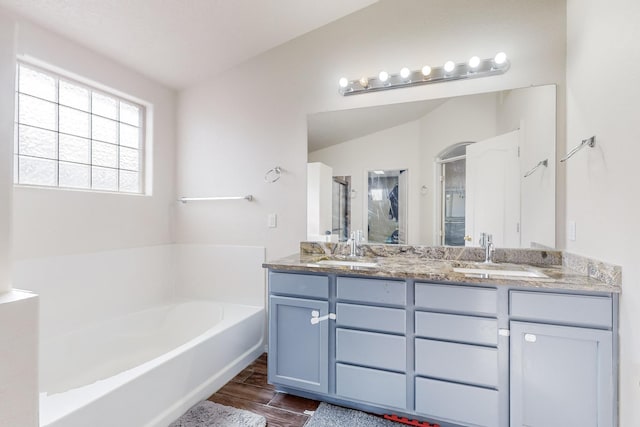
(249, 390)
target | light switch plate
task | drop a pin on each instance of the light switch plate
(571, 231)
(272, 220)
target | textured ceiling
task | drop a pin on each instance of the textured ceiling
(181, 42)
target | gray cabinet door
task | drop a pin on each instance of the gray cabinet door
(561, 376)
(298, 350)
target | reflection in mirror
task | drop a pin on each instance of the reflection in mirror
(341, 207)
(500, 136)
(452, 190)
(492, 184)
(387, 212)
(319, 201)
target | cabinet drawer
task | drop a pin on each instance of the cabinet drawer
(371, 349)
(452, 327)
(457, 362)
(567, 309)
(455, 298)
(372, 290)
(370, 385)
(304, 285)
(375, 318)
(457, 402)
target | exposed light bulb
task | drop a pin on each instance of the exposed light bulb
(449, 66)
(426, 70)
(383, 76)
(405, 73)
(364, 82)
(500, 58)
(474, 62)
(343, 82)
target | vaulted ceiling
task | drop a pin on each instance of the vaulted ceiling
(182, 42)
(334, 127)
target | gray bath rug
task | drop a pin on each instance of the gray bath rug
(332, 416)
(210, 414)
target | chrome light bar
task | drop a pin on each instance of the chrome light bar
(474, 68)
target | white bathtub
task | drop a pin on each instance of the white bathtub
(146, 368)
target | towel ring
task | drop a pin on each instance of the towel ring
(272, 175)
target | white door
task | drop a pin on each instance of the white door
(493, 190)
(319, 195)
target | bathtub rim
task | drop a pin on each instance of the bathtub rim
(208, 387)
(103, 388)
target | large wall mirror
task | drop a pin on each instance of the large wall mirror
(437, 172)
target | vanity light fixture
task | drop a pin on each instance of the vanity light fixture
(383, 77)
(449, 66)
(500, 59)
(473, 68)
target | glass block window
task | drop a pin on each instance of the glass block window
(70, 135)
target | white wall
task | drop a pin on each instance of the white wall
(395, 148)
(82, 289)
(231, 274)
(56, 222)
(7, 79)
(239, 124)
(602, 192)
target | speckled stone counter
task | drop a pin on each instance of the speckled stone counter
(437, 264)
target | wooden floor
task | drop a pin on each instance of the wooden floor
(249, 390)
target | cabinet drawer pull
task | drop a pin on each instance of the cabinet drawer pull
(530, 338)
(316, 318)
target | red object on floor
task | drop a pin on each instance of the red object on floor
(407, 421)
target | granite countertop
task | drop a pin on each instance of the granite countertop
(410, 266)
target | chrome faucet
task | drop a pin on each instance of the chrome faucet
(486, 242)
(354, 243)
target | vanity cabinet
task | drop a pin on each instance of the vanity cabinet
(457, 371)
(370, 355)
(561, 360)
(459, 355)
(301, 347)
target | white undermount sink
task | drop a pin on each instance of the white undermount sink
(340, 263)
(499, 272)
